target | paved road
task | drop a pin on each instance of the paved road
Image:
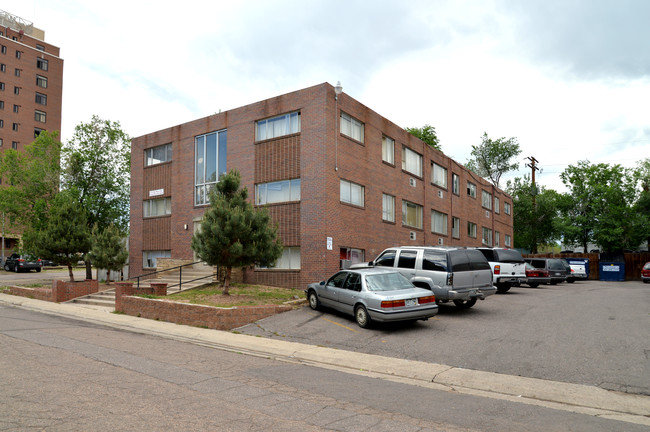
(45, 276)
(589, 332)
(60, 374)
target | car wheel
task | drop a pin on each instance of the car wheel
(361, 316)
(465, 304)
(533, 285)
(38, 270)
(16, 269)
(571, 280)
(553, 282)
(503, 288)
(7, 268)
(314, 303)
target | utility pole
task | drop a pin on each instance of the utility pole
(533, 166)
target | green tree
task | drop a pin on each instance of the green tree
(426, 133)
(642, 206)
(65, 238)
(108, 250)
(233, 233)
(493, 158)
(97, 163)
(30, 181)
(533, 225)
(600, 207)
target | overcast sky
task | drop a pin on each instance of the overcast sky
(570, 79)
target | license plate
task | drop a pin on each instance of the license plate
(411, 302)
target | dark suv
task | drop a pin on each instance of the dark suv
(453, 274)
(555, 267)
(17, 263)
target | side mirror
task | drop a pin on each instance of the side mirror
(371, 263)
(322, 283)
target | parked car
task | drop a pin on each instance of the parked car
(18, 263)
(536, 276)
(453, 274)
(371, 294)
(555, 267)
(508, 267)
(645, 273)
(580, 267)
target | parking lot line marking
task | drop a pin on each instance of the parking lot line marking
(341, 325)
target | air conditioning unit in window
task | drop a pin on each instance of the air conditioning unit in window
(412, 182)
(441, 241)
(440, 194)
(345, 264)
(412, 235)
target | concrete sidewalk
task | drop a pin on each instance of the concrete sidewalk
(551, 394)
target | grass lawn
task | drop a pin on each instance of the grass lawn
(240, 295)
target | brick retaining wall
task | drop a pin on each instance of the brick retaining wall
(35, 293)
(61, 291)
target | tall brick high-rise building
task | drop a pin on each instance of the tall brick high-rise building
(342, 182)
(31, 81)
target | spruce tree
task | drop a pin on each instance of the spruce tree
(233, 233)
(108, 250)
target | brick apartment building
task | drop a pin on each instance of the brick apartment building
(31, 82)
(341, 181)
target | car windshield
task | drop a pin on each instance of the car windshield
(387, 282)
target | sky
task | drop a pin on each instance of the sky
(569, 79)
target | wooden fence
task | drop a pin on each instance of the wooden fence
(633, 262)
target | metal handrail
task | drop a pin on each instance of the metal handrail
(180, 275)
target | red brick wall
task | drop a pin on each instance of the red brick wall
(66, 290)
(197, 315)
(35, 293)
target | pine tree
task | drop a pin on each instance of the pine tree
(233, 233)
(108, 250)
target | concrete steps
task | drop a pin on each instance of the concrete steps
(103, 299)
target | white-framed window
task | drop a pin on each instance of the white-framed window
(157, 207)
(388, 208)
(351, 127)
(508, 241)
(496, 205)
(290, 260)
(158, 154)
(149, 257)
(455, 227)
(277, 192)
(497, 239)
(352, 193)
(285, 124)
(471, 229)
(455, 184)
(506, 208)
(471, 189)
(209, 163)
(411, 161)
(41, 63)
(388, 150)
(41, 99)
(438, 175)
(41, 81)
(486, 200)
(40, 116)
(438, 222)
(487, 236)
(411, 214)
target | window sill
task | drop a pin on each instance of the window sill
(157, 164)
(283, 203)
(353, 205)
(156, 217)
(388, 163)
(388, 222)
(413, 174)
(442, 188)
(352, 139)
(413, 228)
(277, 138)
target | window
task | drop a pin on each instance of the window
(18, 54)
(16, 90)
(210, 163)
(411, 214)
(471, 229)
(439, 175)
(277, 192)
(351, 127)
(388, 150)
(149, 257)
(2, 123)
(2, 86)
(496, 205)
(386, 259)
(41, 81)
(37, 132)
(155, 155)
(3, 67)
(40, 47)
(41, 64)
(352, 193)
(17, 72)
(497, 239)
(285, 124)
(1, 142)
(355, 256)
(40, 99)
(487, 236)
(16, 108)
(15, 127)
(507, 240)
(438, 222)
(3, 49)
(388, 208)
(290, 260)
(407, 259)
(2, 104)
(471, 189)
(506, 208)
(39, 116)
(486, 199)
(455, 227)
(411, 161)
(14, 145)
(157, 207)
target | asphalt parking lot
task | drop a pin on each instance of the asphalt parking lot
(589, 332)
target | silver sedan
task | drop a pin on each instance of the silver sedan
(373, 294)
